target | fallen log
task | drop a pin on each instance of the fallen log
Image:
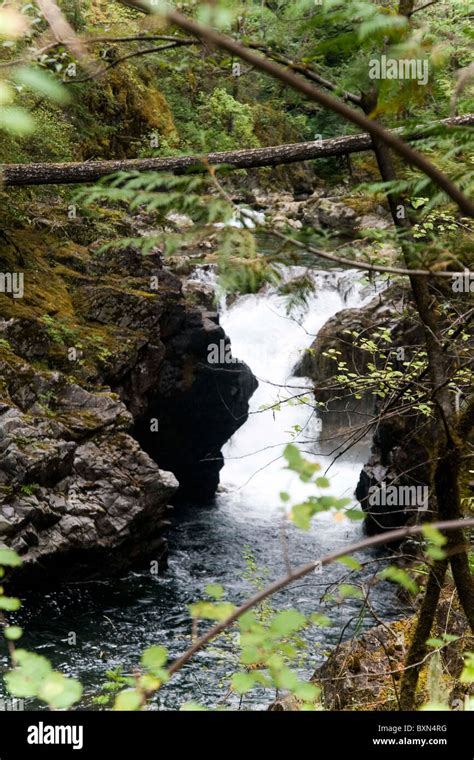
(90, 171)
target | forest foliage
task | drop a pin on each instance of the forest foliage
(64, 100)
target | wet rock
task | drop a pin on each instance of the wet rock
(180, 265)
(198, 407)
(85, 482)
(129, 260)
(337, 216)
(78, 498)
(200, 293)
(281, 222)
(364, 673)
(113, 306)
(312, 209)
(390, 309)
(28, 337)
(108, 513)
(401, 447)
(393, 484)
(374, 222)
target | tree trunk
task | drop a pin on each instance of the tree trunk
(90, 171)
(417, 651)
(447, 456)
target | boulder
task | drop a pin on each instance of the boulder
(390, 309)
(199, 293)
(374, 222)
(78, 497)
(401, 446)
(337, 216)
(364, 673)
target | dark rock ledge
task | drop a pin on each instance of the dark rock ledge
(92, 360)
(400, 445)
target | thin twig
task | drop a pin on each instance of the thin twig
(301, 571)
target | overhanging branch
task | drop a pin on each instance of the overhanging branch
(261, 63)
(306, 569)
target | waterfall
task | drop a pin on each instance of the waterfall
(271, 340)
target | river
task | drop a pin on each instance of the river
(113, 621)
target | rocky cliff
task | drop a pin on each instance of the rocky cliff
(109, 408)
(401, 442)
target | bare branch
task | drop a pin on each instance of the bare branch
(138, 53)
(301, 571)
(318, 96)
(63, 31)
(422, 7)
(343, 261)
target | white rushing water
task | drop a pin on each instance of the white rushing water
(271, 341)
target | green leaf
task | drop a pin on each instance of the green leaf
(59, 691)
(434, 552)
(16, 121)
(467, 675)
(348, 591)
(435, 643)
(317, 618)
(13, 632)
(154, 658)
(250, 655)
(248, 620)
(433, 535)
(128, 700)
(301, 515)
(26, 677)
(286, 622)
(9, 603)
(286, 679)
(242, 682)
(37, 665)
(397, 575)
(292, 456)
(149, 683)
(417, 203)
(102, 699)
(19, 684)
(326, 502)
(322, 482)
(308, 692)
(210, 610)
(355, 514)
(350, 562)
(9, 558)
(446, 638)
(215, 590)
(40, 81)
(296, 463)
